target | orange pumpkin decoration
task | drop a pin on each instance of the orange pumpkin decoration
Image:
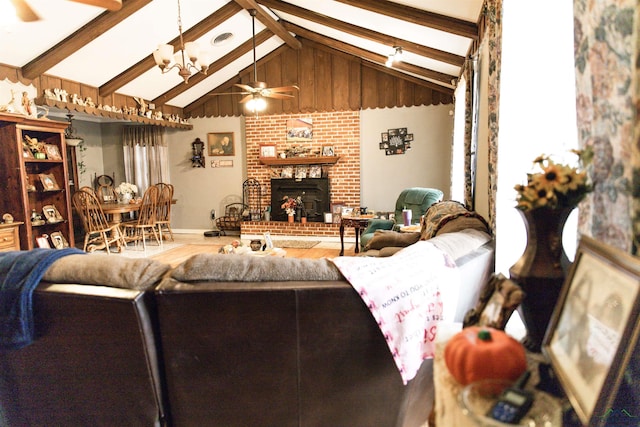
(480, 353)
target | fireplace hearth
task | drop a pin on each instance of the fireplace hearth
(316, 197)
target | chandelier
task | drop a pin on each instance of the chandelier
(188, 59)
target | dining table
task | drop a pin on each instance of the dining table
(116, 209)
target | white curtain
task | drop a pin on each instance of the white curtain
(457, 159)
(145, 156)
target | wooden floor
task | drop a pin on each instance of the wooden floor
(185, 246)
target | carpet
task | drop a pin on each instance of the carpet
(295, 244)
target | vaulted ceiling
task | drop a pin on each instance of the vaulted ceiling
(112, 51)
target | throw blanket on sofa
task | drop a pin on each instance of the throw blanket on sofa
(20, 273)
(404, 294)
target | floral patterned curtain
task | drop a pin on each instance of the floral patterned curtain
(469, 135)
(493, 14)
(607, 49)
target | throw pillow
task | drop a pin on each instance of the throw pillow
(107, 270)
(385, 238)
(439, 214)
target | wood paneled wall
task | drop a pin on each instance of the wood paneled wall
(329, 80)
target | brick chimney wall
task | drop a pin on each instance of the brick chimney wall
(340, 129)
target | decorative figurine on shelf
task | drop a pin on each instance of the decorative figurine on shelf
(197, 157)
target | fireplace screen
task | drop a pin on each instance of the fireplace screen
(316, 197)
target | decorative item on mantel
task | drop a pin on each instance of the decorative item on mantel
(545, 203)
(293, 207)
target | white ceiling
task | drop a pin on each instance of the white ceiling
(133, 39)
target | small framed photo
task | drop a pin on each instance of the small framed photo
(220, 144)
(301, 172)
(48, 182)
(384, 137)
(26, 152)
(268, 150)
(52, 152)
(328, 218)
(51, 214)
(328, 151)
(267, 240)
(498, 300)
(315, 171)
(43, 241)
(287, 172)
(593, 327)
(59, 241)
(347, 211)
(336, 212)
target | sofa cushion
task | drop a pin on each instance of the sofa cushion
(384, 238)
(451, 213)
(103, 269)
(247, 268)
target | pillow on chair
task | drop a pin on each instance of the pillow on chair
(385, 238)
(450, 216)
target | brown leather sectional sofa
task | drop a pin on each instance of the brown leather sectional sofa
(302, 352)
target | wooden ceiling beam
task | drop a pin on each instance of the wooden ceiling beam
(74, 42)
(407, 46)
(369, 56)
(271, 23)
(418, 16)
(200, 29)
(245, 47)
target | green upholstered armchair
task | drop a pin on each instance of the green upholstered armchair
(417, 199)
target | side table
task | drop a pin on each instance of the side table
(358, 223)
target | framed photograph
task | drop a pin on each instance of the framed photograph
(52, 152)
(287, 172)
(58, 240)
(301, 172)
(315, 171)
(220, 144)
(328, 218)
(593, 327)
(48, 182)
(328, 151)
(26, 152)
(267, 240)
(347, 211)
(268, 150)
(384, 137)
(51, 214)
(498, 300)
(336, 212)
(43, 241)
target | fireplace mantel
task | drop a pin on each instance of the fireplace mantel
(318, 160)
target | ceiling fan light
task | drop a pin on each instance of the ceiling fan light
(389, 61)
(257, 103)
(397, 56)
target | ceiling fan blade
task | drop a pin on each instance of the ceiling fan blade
(227, 93)
(246, 99)
(24, 11)
(112, 5)
(246, 88)
(283, 89)
(277, 95)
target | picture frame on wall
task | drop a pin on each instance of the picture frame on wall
(268, 150)
(593, 328)
(220, 144)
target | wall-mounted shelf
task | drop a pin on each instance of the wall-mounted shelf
(97, 112)
(318, 160)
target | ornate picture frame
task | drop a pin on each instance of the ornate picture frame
(593, 328)
(58, 240)
(52, 152)
(48, 182)
(221, 144)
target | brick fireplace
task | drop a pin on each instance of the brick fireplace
(339, 129)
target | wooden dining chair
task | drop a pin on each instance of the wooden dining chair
(163, 208)
(99, 233)
(137, 230)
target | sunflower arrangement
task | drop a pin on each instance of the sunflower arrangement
(555, 185)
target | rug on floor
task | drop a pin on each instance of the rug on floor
(295, 244)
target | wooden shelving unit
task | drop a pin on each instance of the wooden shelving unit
(317, 160)
(18, 172)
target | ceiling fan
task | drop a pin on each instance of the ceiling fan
(256, 91)
(26, 13)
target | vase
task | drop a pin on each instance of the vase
(290, 218)
(255, 245)
(125, 198)
(541, 270)
(298, 214)
(303, 220)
